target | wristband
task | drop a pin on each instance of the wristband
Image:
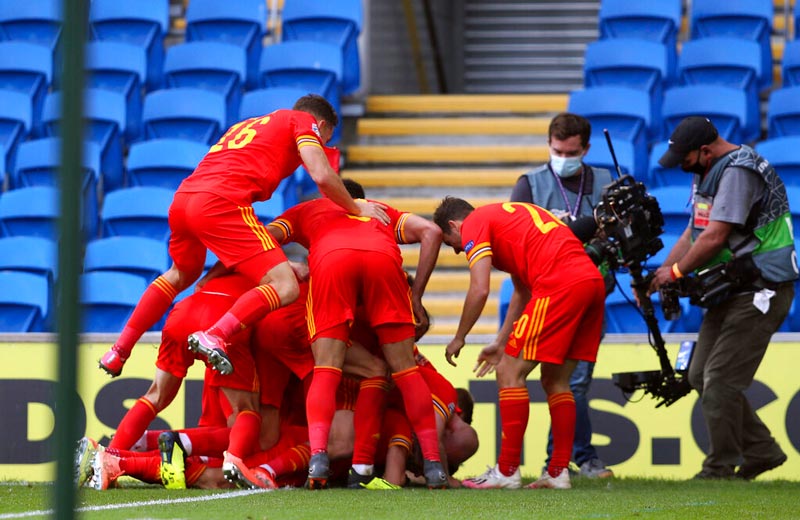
(676, 273)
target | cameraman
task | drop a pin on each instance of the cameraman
(569, 188)
(740, 208)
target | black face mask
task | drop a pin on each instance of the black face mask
(697, 168)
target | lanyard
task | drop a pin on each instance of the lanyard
(573, 212)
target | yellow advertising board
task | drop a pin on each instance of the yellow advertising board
(635, 438)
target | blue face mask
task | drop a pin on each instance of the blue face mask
(565, 166)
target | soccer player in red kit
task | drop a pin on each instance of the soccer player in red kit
(356, 260)
(554, 319)
(212, 209)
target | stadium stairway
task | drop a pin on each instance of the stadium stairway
(410, 151)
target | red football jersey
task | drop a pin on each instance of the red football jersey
(527, 241)
(323, 226)
(253, 156)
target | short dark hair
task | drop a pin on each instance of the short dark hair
(319, 107)
(566, 124)
(451, 208)
(465, 403)
(355, 189)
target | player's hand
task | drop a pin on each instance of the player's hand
(374, 210)
(488, 359)
(662, 275)
(453, 348)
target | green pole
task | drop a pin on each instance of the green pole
(67, 296)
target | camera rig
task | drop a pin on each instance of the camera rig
(629, 222)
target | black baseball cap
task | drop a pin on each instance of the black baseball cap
(690, 134)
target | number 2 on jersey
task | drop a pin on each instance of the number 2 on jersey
(540, 224)
(244, 133)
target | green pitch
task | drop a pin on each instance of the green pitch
(618, 498)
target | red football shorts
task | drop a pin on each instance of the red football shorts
(244, 375)
(373, 279)
(201, 221)
(563, 325)
(274, 377)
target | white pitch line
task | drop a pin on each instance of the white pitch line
(204, 498)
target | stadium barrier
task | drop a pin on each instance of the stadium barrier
(635, 439)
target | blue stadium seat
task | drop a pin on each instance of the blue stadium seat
(265, 100)
(599, 155)
(269, 210)
(140, 212)
(729, 62)
(27, 68)
(313, 66)
(658, 176)
(746, 19)
(38, 163)
(34, 22)
(506, 290)
(625, 62)
(724, 106)
(675, 203)
(24, 302)
(336, 22)
(243, 23)
(784, 154)
(16, 120)
(143, 23)
(30, 212)
(34, 255)
(108, 299)
(163, 162)
(624, 317)
(654, 20)
(625, 112)
(121, 67)
(783, 112)
(790, 65)
(105, 115)
(144, 257)
(218, 67)
(184, 113)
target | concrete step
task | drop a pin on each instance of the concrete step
(434, 177)
(463, 104)
(425, 206)
(458, 281)
(453, 126)
(451, 306)
(442, 331)
(447, 258)
(447, 154)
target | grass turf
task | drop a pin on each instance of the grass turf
(618, 498)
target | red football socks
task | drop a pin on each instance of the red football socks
(146, 469)
(367, 419)
(151, 307)
(419, 409)
(209, 441)
(562, 424)
(514, 413)
(244, 433)
(133, 425)
(249, 308)
(321, 405)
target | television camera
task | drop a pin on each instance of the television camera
(629, 223)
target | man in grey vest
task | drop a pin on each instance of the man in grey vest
(740, 213)
(570, 189)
